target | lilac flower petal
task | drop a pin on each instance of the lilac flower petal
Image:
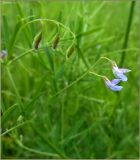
(115, 81)
(116, 88)
(116, 69)
(119, 72)
(122, 77)
(112, 84)
(3, 53)
(123, 70)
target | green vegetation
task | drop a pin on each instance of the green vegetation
(51, 106)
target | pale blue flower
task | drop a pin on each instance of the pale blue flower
(3, 54)
(112, 84)
(119, 72)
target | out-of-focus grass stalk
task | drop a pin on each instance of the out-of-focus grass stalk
(50, 144)
(62, 121)
(78, 79)
(119, 102)
(15, 127)
(127, 31)
(82, 57)
(36, 151)
(21, 106)
(20, 56)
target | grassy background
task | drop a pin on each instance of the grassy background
(84, 120)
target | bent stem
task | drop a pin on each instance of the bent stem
(98, 75)
(42, 20)
(50, 20)
(36, 151)
(107, 59)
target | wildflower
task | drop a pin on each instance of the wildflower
(112, 84)
(37, 40)
(3, 54)
(119, 72)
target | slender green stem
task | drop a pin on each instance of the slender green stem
(62, 120)
(49, 20)
(74, 82)
(15, 127)
(37, 20)
(78, 79)
(82, 56)
(21, 106)
(50, 144)
(20, 56)
(127, 31)
(107, 59)
(98, 75)
(36, 151)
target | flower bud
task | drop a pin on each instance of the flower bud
(37, 40)
(70, 50)
(55, 41)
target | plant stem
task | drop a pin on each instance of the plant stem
(21, 106)
(127, 32)
(107, 59)
(62, 120)
(20, 56)
(78, 79)
(82, 56)
(48, 142)
(98, 75)
(36, 151)
(15, 127)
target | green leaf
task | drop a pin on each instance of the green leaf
(89, 32)
(8, 113)
(13, 39)
(5, 30)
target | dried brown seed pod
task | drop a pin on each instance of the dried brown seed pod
(70, 50)
(55, 41)
(37, 40)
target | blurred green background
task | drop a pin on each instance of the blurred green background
(48, 110)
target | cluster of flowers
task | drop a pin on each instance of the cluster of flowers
(119, 74)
